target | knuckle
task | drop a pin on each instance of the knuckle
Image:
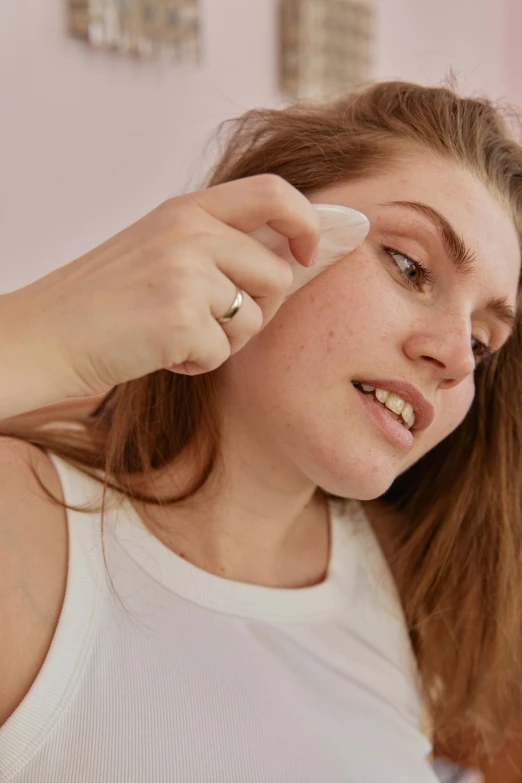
(169, 205)
(170, 209)
(274, 187)
(176, 204)
(179, 215)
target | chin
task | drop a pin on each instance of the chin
(367, 490)
(356, 478)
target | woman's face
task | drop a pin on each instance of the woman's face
(403, 312)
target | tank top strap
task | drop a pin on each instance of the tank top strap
(29, 727)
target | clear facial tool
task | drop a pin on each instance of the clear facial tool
(342, 230)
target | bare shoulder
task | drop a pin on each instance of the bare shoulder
(33, 567)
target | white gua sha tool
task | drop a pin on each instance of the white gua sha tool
(342, 230)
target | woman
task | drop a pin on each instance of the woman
(253, 631)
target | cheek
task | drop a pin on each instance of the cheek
(341, 313)
(454, 405)
(326, 330)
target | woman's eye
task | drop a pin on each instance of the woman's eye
(481, 352)
(415, 274)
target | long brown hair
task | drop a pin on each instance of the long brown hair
(458, 557)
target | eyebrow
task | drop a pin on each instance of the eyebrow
(461, 256)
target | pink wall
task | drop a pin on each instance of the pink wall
(421, 40)
(90, 141)
(513, 25)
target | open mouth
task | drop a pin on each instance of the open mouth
(395, 406)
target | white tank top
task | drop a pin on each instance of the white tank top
(175, 675)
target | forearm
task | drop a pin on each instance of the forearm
(30, 371)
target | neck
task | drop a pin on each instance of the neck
(253, 522)
(386, 523)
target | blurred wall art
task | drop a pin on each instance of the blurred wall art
(326, 46)
(163, 28)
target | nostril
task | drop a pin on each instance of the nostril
(434, 361)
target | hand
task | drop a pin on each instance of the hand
(148, 298)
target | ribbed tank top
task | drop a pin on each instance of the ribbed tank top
(160, 672)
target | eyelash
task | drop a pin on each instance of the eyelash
(427, 279)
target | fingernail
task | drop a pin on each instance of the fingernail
(313, 258)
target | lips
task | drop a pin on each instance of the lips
(422, 407)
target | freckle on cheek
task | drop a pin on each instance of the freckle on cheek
(331, 333)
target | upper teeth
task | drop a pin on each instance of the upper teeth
(394, 403)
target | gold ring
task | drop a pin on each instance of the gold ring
(233, 309)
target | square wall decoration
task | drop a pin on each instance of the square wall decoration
(326, 46)
(164, 28)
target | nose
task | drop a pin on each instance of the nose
(444, 346)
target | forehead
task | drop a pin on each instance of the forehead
(474, 212)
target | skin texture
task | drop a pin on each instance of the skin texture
(292, 419)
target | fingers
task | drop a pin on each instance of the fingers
(218, 292)
(216, 256)
(250, 265)
(247, 322)
(262, 275)
(209, 347)
(216, 342)
(252, 202)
